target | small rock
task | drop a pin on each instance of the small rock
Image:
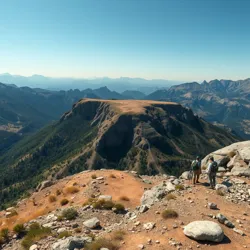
(92, 223)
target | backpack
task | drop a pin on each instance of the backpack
(195, 165)
(214, 167)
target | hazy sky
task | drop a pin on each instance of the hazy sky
(169, 39)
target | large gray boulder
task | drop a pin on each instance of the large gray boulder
(71, 243)
(92, 223)
(204, 231)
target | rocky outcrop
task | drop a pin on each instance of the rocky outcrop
(233, 159)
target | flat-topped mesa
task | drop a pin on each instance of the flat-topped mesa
(88, 106)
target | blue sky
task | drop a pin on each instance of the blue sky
(169, 39)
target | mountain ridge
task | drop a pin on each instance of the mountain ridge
(223, 102)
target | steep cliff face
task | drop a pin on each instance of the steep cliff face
(146, 136)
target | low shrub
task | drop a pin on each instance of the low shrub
(119, 208)
(93, 176)
(124, 198)
(70, 214)
(34, 226)
(112, 176)
(103, 204)
(4, 234)
(220, 192)
(169, 213)
(52, 198)
(72, 190)
(19, 229)
(170, 197)
(64, 234)
(78, 230)
(58, 192)
(118, 235)
(64, 202)
(179, 187)
(35, 233)
(102, 243)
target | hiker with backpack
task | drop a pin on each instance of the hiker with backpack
(196, 169)
(212, 171)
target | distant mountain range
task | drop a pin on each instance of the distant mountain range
(24, 110)
(116, 84)
(223, 102)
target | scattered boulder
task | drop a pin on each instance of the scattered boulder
(71, 243)
(221, 187)
(186, 175)
(212, 205)
(143, 208)
(105, 197)
(34, 247)
(204, 231)
(92, 223)
(149, 226)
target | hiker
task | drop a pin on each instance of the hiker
(212, 171)
(196, 168)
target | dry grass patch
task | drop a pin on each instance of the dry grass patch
(124, 198)
(118, 235)
(35, 233)
(58, 192)
(52, 198)
(64, 202)
(170, 197)
(70, 214)
(102, 243)
(64, 234)
(72, 190)
(179, 187)
(169, 213)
